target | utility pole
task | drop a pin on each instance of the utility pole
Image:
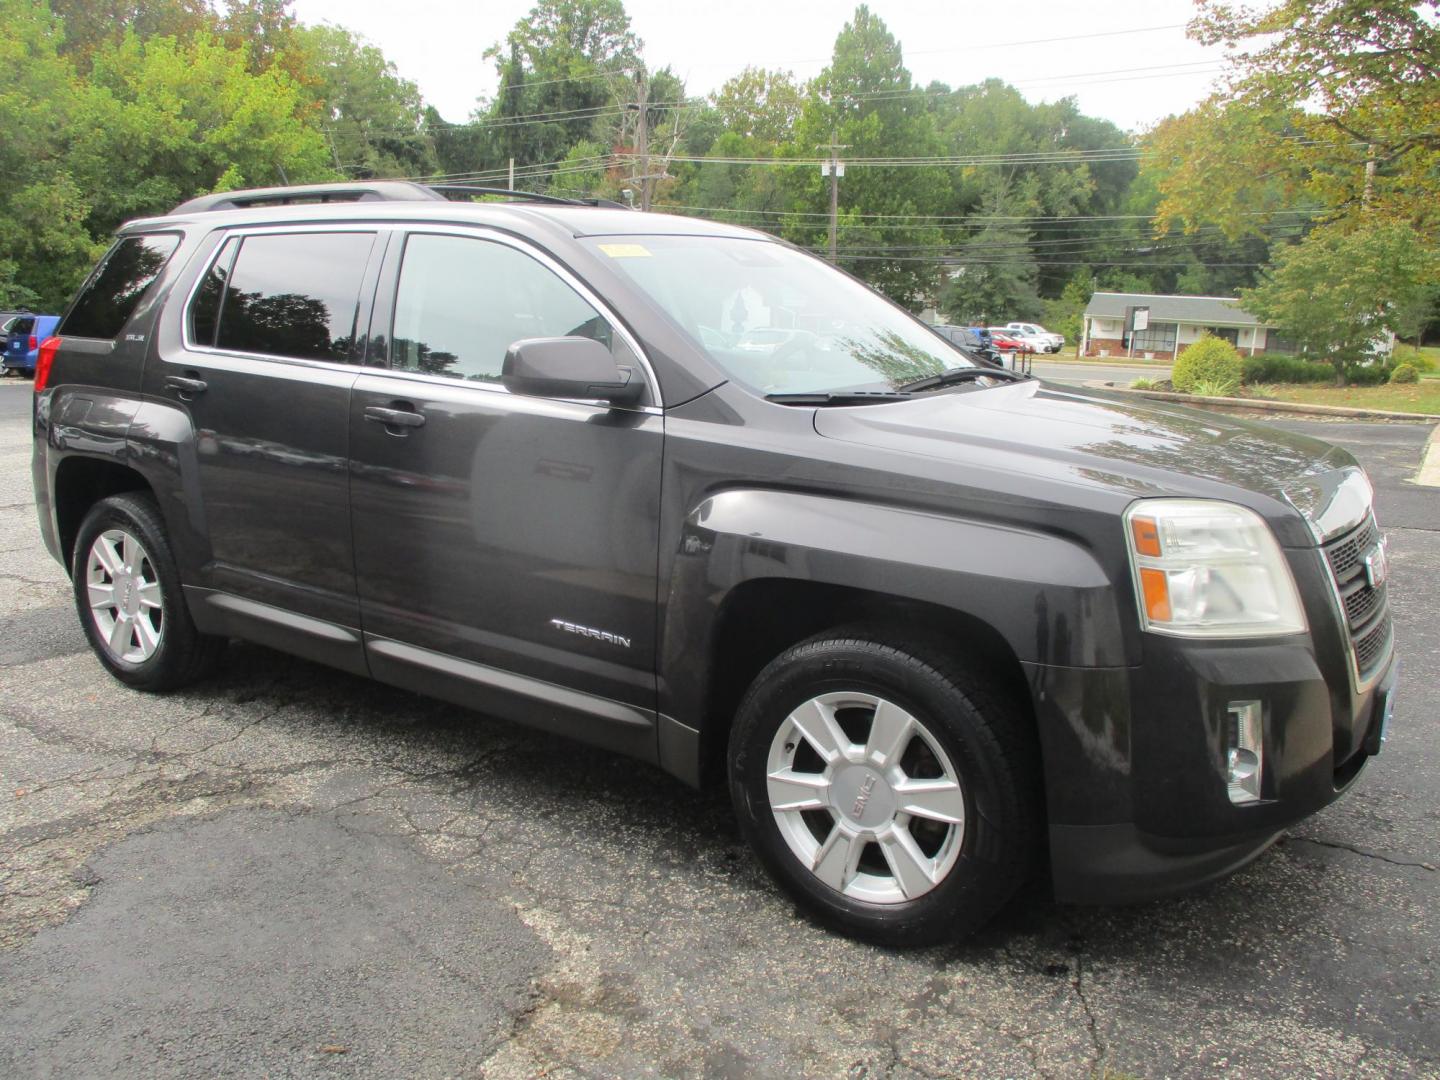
(512, 174)
(642, 138)
(834, 168)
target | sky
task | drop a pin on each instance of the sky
(1127, 61)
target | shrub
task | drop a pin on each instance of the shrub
(1371, 374)
(1143, 384)
(1417, 358)
(1405, 373)
(1285, 369)
(1215, 387)
(1210, 360)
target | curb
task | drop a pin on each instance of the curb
(1271, 406)
(1429, 474)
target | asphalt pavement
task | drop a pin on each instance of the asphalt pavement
(293, 872)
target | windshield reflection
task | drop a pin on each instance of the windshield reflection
(780, 321)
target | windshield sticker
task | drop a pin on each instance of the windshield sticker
(625, 251)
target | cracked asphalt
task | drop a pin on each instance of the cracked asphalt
(293, 872)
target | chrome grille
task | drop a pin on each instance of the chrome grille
(1347, 554)
(1367, 617)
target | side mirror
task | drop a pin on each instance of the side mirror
(568, 367)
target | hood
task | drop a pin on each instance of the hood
(1112, 440)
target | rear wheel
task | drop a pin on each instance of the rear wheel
(884, 788)
(127, 591)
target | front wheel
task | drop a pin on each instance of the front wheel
(127, 591)
(885, 788)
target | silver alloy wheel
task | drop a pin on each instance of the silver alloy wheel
(123, 590)
(880, 819)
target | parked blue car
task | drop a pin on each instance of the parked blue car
(22, 343)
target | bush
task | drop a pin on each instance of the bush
(1416, 358)
(1285, 369)
(1210, 360)
(1405, 373)
(1215, 388)
(1372, 374)
(1144, 384)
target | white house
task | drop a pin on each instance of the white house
(1164, 325)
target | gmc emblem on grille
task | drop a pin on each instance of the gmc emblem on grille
(1377, 566)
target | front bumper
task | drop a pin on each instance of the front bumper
(1135, 761)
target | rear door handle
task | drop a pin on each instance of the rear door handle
(184, 386)
(405, 418)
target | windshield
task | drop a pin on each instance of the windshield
(779, 321)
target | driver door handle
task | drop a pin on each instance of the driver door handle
(394, 417)
(183, 385)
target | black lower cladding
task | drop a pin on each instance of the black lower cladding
(1183, 830)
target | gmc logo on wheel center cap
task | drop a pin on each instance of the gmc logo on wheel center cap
(863, 797)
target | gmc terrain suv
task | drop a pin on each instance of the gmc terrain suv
(680, 490)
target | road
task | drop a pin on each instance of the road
(290, 871)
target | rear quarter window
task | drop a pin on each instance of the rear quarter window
(115, 289)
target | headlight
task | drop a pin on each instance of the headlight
(1209, 569)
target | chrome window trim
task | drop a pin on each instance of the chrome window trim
(405, 229)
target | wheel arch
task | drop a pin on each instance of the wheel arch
(761, 618)
(81, 482)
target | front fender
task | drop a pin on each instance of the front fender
(1045, 595)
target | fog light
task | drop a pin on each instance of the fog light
(1244, 751)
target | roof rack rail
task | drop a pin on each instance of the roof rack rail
(453, 190)
(366, 191)
(449, 191)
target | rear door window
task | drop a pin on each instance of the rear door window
(114, 291)
(287, 294)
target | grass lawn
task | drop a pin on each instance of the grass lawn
(1421, 397)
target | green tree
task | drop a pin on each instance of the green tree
(373, 120)
(562, 70)
(164, 119)
(760, 105)
(1064, 314)
(43, 238)
(1330, 104)
(93, 24)
(995, 279)
(865, 101)
(1337, 292)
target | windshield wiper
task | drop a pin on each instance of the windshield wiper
(838, 397)
(958, 375)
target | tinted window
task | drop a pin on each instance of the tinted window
(461, 303)
(205, 308)
(108, 300)
(295, 294)
(22, 326)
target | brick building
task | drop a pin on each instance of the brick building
(1169, 324)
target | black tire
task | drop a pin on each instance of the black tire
(990, 746)
(182, 654)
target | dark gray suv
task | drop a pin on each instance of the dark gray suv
(683, 491)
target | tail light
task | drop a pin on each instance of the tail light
(44, 361)
(33, 341)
